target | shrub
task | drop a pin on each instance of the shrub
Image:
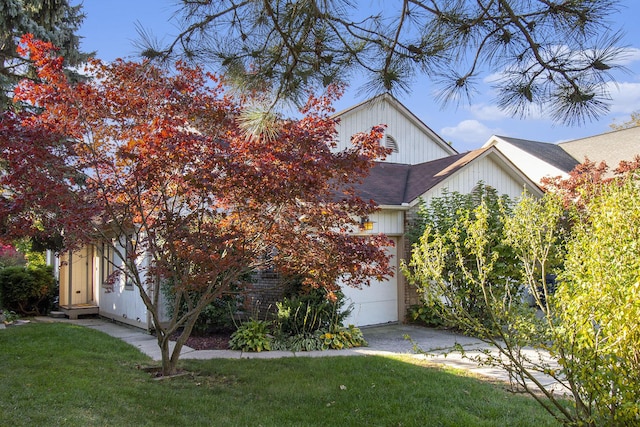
(216, 317)
(425, 314)
(28, 291)
(10, 257)
(446, 221)
(252, 335)
(342, 337)
(310, 311)
(586, 321)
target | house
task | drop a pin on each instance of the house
(410, 140)
(610, 147)
(87, 285)
(541, 159)
(535, 159)
(421, 166)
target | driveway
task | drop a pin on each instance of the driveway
(437, 346)
(400, 338)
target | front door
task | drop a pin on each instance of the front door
(76, 277)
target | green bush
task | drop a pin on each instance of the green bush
(28, 290)
(445, 221)
(310, 311)
(300, 342)
(425, 314)
(252, 335)
(342, 337)
(216, 317)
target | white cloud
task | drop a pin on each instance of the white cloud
(628, 56)
(625, 97)
(469, 132)
(487, 112)
(494, 77)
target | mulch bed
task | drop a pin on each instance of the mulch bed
(218, 341)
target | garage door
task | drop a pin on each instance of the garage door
(377, 303)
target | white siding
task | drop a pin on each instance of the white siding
(485, 169)
(530, 165)
(414, 145)
(123, 303)
(389, 222)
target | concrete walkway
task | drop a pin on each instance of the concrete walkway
(435, 346)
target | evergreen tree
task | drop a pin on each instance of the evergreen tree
(55, 21)
(555, 55)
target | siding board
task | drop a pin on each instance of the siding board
(414, 145)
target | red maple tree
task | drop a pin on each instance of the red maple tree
(157, 161)
(588, 179)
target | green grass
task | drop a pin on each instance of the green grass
(58, 374)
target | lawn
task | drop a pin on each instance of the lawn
(60, 374)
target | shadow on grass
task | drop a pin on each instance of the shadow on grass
(59, 374)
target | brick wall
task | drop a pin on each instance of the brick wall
(264, 291)
(411, 296)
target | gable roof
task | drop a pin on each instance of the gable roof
(553, 154)
(386, 97)
(385, 184)
(393, 184)
(424, 176)
(610, 147)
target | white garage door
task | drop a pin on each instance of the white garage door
(377, 303)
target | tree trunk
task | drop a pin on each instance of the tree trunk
(169, 366)
(170, 357)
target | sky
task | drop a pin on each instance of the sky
(109, 29)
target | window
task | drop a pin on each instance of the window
(106, 274)
(390, 142)
(130, 260)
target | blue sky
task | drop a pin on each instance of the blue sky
(109, 29)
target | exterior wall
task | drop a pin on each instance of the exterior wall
(485, 169)
(262, 294)
(387, 221)
(120, 300)
(82, 277)
(414, 145)
(529, 164)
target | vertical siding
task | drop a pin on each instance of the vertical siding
(485, 170)
(390, 222)
(123, 303)
(414, 145)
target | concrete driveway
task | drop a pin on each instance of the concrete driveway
(438, 346)
(400, 339)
